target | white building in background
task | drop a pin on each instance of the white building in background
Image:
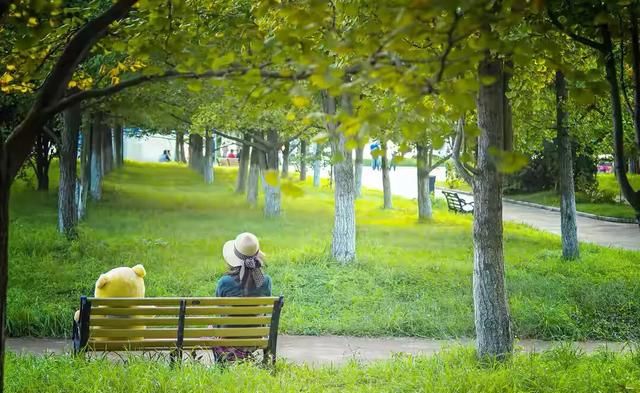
(148, 148)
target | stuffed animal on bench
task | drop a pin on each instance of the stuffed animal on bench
(119, 282)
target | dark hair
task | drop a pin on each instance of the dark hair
(248, 282)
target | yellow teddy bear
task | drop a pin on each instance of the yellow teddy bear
(120, 282)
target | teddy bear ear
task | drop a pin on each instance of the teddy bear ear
(139, 270)
(102, 281)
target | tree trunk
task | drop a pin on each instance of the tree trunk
(85, 163)
(196, 159)
(386, 181)
(425, 212)
(5, 184)
(97, 131)
(254, 177)
(343, 246)
(568, 227)
(285, 160)
(358, 170)
(243, 166)
(107, 150)
(208, 159)
(303, 160)
(118, 140)
(42, 160)
(317, 164)
(179, 146)
(633, 197)
(492, 321)
(67, 203)
(272, 199)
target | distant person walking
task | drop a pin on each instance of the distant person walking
(231, 154)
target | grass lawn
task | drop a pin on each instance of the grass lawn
(560, 370)
(551, 198)
(411, 279)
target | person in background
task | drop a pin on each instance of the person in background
(376, 161)
(164, 157)
(231, 154)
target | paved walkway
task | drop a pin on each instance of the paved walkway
(322, 350)
(609, 234)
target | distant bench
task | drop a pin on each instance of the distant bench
(228, 162)
(176, 324)
(457, 204)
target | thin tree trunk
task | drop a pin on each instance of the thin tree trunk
(285, 160)
(317, 163)
(195, 153)
(358, 170)
(118, 140)
(272, 198)
(243, 166)
(635, 66)
(386, 181)
(343, 245)
(303, 160)
(42, 147)
(208, 158)
(96, 157)
(425, 211)
(5, 184)
(85, 161)
(254, 177)
(568, 227)
(107, 150)
(633, 197)
(67, 203)
(179, 146)
(492, 321)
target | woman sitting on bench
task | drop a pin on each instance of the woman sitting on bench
(245, 278)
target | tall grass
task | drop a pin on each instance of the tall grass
(410, 279)
(458, 370)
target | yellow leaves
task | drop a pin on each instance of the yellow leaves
(506, 161)
(291, 116)
(32, 22)
(72, 84)
(300, 101)
(6, 78)
(321, 138)
(290, 189)
(11, 67)
(272, 178)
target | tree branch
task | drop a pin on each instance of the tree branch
(465, 172)
(258, 146)
(52, 135)
(441, 161)
(583, 40)
(18, 144)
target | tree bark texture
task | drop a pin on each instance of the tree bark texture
(303, 160)
(118, 144)
(107, 150)
(254, 177)
(358, 170)
(85, 165)
(97, 132)
(491, 309)
(568, 227)
(343, 245)
(243, 165)
(196, 158)
(425, 211)
(67, 202)
(272, 195)
(317, 165)
(386, 181)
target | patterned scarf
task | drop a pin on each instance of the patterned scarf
(250, 272)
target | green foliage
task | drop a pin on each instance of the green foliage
(564, 369)
(164, 217)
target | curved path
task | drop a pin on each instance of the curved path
(323, 350)
(604, 233)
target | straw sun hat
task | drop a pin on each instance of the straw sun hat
(244, 246)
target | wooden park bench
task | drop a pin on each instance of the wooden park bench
(228, 162)
(457, 204)
(178, 324)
